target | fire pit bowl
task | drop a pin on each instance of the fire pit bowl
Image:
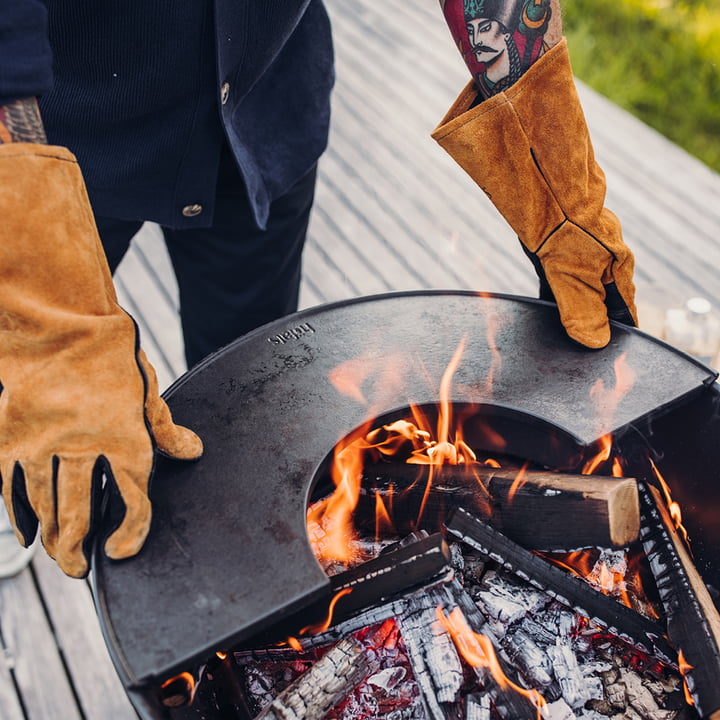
(228, 555)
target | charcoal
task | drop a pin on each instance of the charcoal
(529, 659)
(431, 649)
(568, 674)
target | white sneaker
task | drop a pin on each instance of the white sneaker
(13, 556)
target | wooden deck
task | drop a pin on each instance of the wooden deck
(393, 212)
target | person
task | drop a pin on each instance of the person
(208, 118)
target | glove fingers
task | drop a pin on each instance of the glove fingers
(78, 505)
(578, 268)
(128, 537)
(41, 493)
(582, 309)
(21, 513)
(617, 308)
(619, 287)
(174, 440)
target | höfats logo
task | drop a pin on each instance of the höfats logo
(293, 334)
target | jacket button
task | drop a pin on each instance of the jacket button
(192, 210)
(224, 92)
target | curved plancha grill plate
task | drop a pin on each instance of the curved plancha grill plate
(228, 555)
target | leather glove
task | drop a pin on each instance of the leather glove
(529, 150)
(79, 399)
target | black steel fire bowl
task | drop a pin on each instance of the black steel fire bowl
(228, 554)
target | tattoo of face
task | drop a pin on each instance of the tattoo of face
(20, 121)
(498, 39)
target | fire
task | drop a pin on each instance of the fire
(673, 507)
(478, 651)
(383, 521)
(330, 521)
(179, 690)
(294, 643)
(602, 456)
(685, 668)
(332, 518)
(606, 401)
(518, 482)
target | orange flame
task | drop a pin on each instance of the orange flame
(331, 519)
(186, 676)
(295, 644)
(383, 522)
(685, 668)
(602, 456)
(606, 401)
(478, 651)
(673, 507)
(188, 680)
(518, 482)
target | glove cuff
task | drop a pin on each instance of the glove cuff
(529, 150)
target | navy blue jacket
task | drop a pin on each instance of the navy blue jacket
(145, 92)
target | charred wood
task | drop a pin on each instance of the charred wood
(507, 704)
(408, 567)
(323, 685)
(366, 593)
(539, 510)
(478, 707)
(435, 662)
(570, 590)
(693, 623)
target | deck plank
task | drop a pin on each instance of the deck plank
(10, 707)
(43, 686)
(77, 629)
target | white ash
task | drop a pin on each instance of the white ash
(388, 678)
(558, 710)
(431, 649)
(506, 586)
(478, 707)
(557, 652)
(499, 608)
(457, 559)
(567, 672)
(531, 661)
(610, 565)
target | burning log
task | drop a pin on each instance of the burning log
(693, 623)
(364, 595)
(323, 685)
(538, 510)
(570, 590)
(494, 673)
(436, 664)
(405, 568)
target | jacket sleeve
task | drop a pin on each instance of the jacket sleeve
(25, 54)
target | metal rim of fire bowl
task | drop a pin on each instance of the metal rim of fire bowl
(228, 553)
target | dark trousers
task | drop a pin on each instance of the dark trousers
(232, 277)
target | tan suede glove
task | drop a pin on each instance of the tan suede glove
(79, 399)
(529, 149)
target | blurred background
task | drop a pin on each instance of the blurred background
(658, 59)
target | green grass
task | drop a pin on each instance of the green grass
(659, 59)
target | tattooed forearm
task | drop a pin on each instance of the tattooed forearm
(500, 39)
(20, 121)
